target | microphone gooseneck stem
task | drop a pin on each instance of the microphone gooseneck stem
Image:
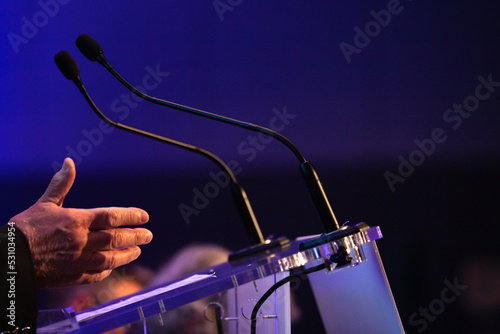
(310, 176)
(102, 60)
(318, 195)
(250, 222)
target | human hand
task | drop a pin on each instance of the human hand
(78, 246)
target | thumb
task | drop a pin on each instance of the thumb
(60, 184)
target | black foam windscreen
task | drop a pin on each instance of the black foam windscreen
(67, 65)
(89, 47)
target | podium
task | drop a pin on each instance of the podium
(351, 290)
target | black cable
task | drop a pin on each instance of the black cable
(275, 287)
(218, 319)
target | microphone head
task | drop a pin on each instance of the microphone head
(89, 47)
(67, 65)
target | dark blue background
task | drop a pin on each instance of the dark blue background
(352, 119)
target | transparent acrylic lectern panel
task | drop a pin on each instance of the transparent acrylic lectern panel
(230, 311)
(230, 289)
(361, 301)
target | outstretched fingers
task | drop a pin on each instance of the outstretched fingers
(107, 218)
(117, 238)
(111, 259)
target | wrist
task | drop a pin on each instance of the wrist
(28, 231)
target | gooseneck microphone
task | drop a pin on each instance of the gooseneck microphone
(70, 70)
(94, 52)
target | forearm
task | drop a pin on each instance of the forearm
(18, 290)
